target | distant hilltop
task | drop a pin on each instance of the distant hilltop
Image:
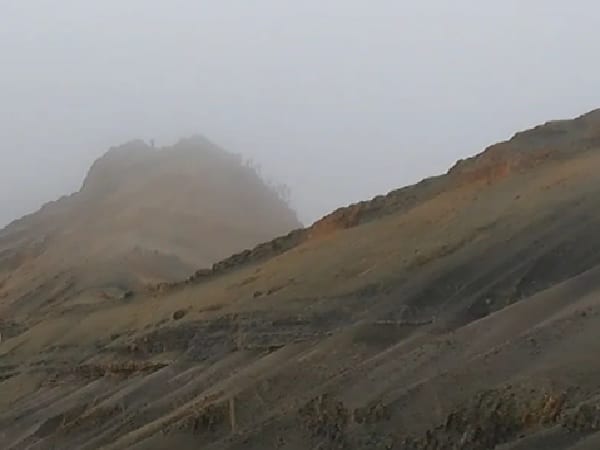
(145, 215)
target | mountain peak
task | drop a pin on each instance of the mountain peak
(114, 164)
(146, 215)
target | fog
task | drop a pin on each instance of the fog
(340, 99)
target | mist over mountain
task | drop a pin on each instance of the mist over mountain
(143, 215)
(459, 312)
(341, 100)
(310, 225)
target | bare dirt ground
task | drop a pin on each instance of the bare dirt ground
(459, 313)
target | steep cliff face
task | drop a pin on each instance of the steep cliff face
(142, 216)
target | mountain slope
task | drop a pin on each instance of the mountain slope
(462, 312)
(142, 216)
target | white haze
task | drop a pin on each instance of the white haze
(340, 99)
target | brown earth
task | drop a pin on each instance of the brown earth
(459, 313)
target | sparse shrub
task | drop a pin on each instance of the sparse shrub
(179, 314)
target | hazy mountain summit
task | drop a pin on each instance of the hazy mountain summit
(462, 312)
(143, 215)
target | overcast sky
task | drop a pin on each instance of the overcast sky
(341, 99)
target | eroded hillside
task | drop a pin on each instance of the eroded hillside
(459, 313)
